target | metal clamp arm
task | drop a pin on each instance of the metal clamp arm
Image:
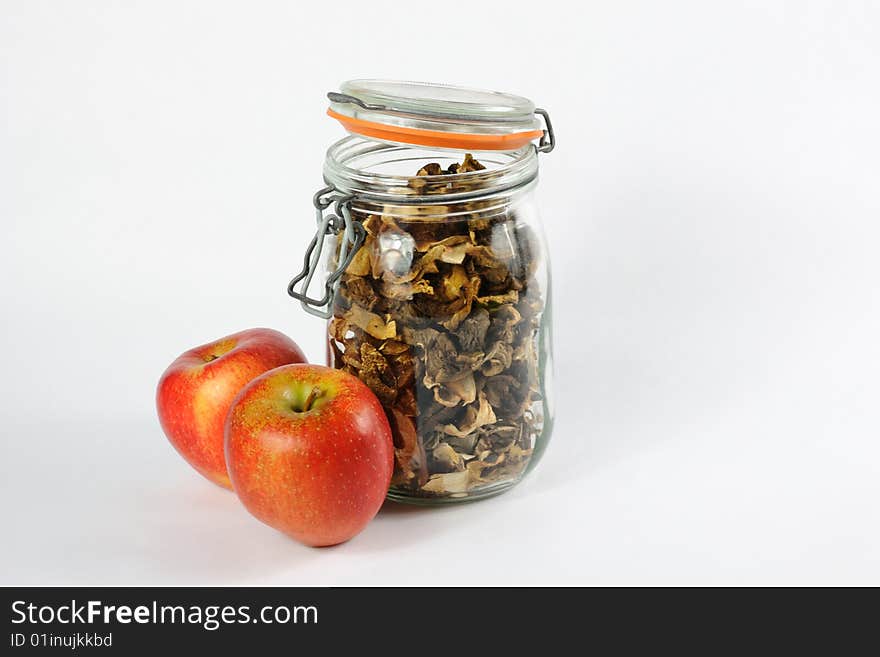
(548, 140)
(353, 234)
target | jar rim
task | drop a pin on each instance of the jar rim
(354, 165)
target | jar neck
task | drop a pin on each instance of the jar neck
(385, 173)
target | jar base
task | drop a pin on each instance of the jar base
(408, 497)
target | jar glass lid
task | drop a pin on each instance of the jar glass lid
(436, 115)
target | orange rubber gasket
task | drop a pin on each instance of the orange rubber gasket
(508, 142)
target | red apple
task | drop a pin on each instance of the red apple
(309, 452)
(197, 389)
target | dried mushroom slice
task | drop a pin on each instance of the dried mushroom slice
(371, 323)
(469, 164)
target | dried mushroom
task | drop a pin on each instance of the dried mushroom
(438, 314)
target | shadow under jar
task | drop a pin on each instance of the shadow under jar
(439, 301)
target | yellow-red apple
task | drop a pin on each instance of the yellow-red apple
(309, 452)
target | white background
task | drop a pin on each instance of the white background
(712, 209)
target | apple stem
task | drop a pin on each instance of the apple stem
(313, 395)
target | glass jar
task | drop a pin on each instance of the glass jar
(437, 284)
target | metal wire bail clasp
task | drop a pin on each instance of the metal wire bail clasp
(353, 234)
(548, 140)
